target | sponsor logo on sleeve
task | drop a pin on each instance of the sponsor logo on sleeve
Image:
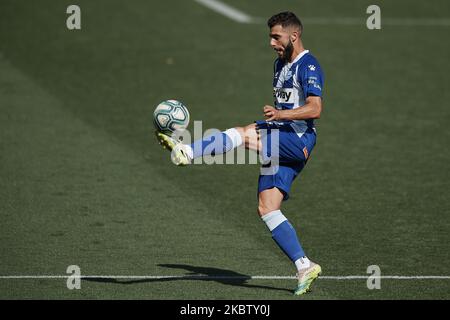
(313, 81)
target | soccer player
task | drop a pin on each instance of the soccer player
(297, 85)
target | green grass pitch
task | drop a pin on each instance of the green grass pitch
(83, 181)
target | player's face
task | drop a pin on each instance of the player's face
(281, 42)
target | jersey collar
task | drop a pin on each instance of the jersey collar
(299, 56)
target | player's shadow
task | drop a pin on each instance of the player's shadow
(223, 276)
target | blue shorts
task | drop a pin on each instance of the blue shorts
(291, 154)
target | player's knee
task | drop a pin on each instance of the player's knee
(264, 209)
(250, 136)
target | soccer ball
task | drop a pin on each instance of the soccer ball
(170, 115)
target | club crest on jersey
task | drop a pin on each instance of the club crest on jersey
(283, 95)
(288, 75)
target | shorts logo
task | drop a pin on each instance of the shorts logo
(283, 95)
(305, 152)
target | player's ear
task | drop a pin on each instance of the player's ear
(294, 36)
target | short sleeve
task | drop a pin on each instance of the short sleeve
(311, 78)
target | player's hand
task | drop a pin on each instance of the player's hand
(271, 113)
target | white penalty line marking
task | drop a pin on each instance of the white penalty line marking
(241, 17)
(204, 277)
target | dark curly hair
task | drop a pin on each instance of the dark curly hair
(285, 19)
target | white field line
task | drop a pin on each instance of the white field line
(219, 277)
(227, 11)
(241, 17)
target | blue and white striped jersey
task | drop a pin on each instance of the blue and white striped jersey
(293, 82)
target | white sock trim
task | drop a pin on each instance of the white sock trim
(302, 263)
(235, 137)
(273, 219)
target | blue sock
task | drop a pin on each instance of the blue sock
(216, 143)
(284, 234)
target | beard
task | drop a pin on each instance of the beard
(288, 52)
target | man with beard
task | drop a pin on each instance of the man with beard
(297, 90)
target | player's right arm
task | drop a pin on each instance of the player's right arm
(310, 110)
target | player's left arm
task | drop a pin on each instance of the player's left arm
(310, 110)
